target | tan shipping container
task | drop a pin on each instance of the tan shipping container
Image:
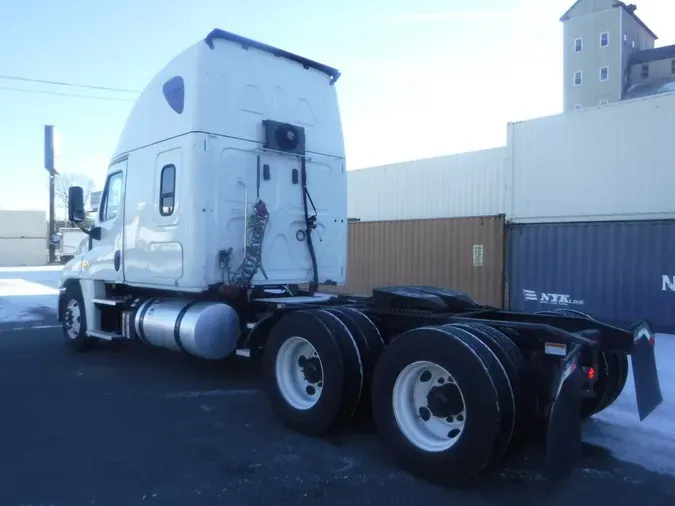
(463, 254)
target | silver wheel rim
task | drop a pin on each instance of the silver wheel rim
(429, 406)
(299, 373)
(72, 319)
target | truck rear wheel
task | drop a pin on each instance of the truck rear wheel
(506, 379)
(370, 346)
(312, 371)
(435, 403)
(74, 322)
(505, 350)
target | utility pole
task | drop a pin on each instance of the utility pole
(49, 165)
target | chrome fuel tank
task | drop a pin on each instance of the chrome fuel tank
(209, 330)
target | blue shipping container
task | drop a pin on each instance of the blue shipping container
(620, 272)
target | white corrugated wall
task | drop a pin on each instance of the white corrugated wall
(613, 162)
(462, 185)
(23, 252)
(23, 238)
(17, 224)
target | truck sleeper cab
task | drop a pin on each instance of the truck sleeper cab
(227, 191)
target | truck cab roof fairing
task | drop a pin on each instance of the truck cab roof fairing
(168, 108)
(245, 42)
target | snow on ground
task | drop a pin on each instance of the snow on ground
(650, 443)
(29, 295)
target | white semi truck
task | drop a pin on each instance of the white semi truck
(227, 193)
(70, 243)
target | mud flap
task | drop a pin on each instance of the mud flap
(563, 440)
(645, 375)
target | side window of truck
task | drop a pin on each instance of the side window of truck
(112, 197)
(167, 190)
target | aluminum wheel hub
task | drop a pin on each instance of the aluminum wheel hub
(428, 406)
(299, 373)
(72, 319)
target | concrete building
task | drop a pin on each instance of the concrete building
(650, 72)
(23, 238)
(609, 55)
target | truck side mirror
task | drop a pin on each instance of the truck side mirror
(76, 212)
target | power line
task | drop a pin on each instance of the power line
(76, 95)
(63, 83)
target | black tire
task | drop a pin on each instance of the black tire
(351, 356)
(511, 359)
(370, 345)
(506, 351)
(491, 354)
(512, 334)
(329, 411)
(473, 448)
(528, 402)
(79, 342)
(514, 363)
(526, 398)
(368, 336)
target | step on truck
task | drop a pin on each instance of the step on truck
(224, 212)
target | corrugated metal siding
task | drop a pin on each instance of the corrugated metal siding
(462, 185)
(18, 224)
(438, 252)
(23, 252)
(622, 271)
(608, 163)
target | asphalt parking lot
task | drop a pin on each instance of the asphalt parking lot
(127, 425)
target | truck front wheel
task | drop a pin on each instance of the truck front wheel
(74, 320)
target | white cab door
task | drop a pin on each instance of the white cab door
(106, 258)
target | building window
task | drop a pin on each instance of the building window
(167, 190)
(578, 45)
(604, 39)
(577, 107)
(604, 73)
(645, 71)
(578, 78)
(603, 102)
(632, 44)
(672, 66)
(625, 38)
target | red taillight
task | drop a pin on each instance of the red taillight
(591, 373)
